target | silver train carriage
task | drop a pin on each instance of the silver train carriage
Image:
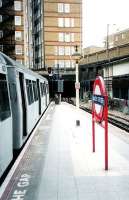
(6, 131)
(28, 99)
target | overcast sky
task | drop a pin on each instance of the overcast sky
(98, 13)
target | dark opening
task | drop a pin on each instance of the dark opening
(39, 96)
(4, 99)
(24, 115)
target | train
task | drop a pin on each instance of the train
(24, 97)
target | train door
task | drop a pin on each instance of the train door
(39, 96)
(24, 113)
(6, 152)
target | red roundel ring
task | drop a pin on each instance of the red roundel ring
(98, 89)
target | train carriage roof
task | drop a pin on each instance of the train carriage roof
(12, 63)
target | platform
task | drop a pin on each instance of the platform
(58, 163)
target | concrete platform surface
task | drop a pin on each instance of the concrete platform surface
(59, 163)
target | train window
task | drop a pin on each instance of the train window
(41, 87)
(4, 99)
(29, 91)
(47, 89)
(44, 88)
(35, 91)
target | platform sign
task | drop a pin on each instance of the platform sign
(77, 86)
(100, 112)
(60, 86)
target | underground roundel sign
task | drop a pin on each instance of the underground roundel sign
(98, 99)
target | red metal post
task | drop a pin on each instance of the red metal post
(93, 131)
(106, 132)
(102, 116)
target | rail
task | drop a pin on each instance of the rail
(124, 125)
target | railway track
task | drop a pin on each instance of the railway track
(120, 124)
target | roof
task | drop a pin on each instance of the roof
(12, 63)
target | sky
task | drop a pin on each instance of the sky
(97, 14)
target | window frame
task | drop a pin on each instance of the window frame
(18, 5)
(5, 111)
(18, 20)
(30, 93)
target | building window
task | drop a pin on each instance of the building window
(18, 49)
(63, 8)
(116, 38)
(58, 63)
(72, 22)
(67, 37)
(55, 65)
(67, 64)
(61, 51)
(60, 22)
(72, 64)
(67, 51)
(61, 37)
(56, 50)
(123, 35)
(64, 50)
(72, 37)
(72, 49)
(18, 5)
(18, 20)
(0, 3)
(1, 34)
(61, 64)
(0, 18)
(67, 22)
(64, 64)
(60, 7)
(18, 35)
(66, 8)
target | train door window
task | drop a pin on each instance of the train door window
(44, 88)
(29, 91)
(47, 89)
(4, 99)
(41, 87)
(35, 90)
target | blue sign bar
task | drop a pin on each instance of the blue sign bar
(98, 99)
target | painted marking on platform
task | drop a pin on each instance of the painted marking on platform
(9, 176)
(22, 187)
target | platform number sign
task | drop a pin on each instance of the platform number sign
(100, 112)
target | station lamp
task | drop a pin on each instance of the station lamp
(76, 56)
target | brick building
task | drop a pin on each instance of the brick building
(62, 31)
(117, 39)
